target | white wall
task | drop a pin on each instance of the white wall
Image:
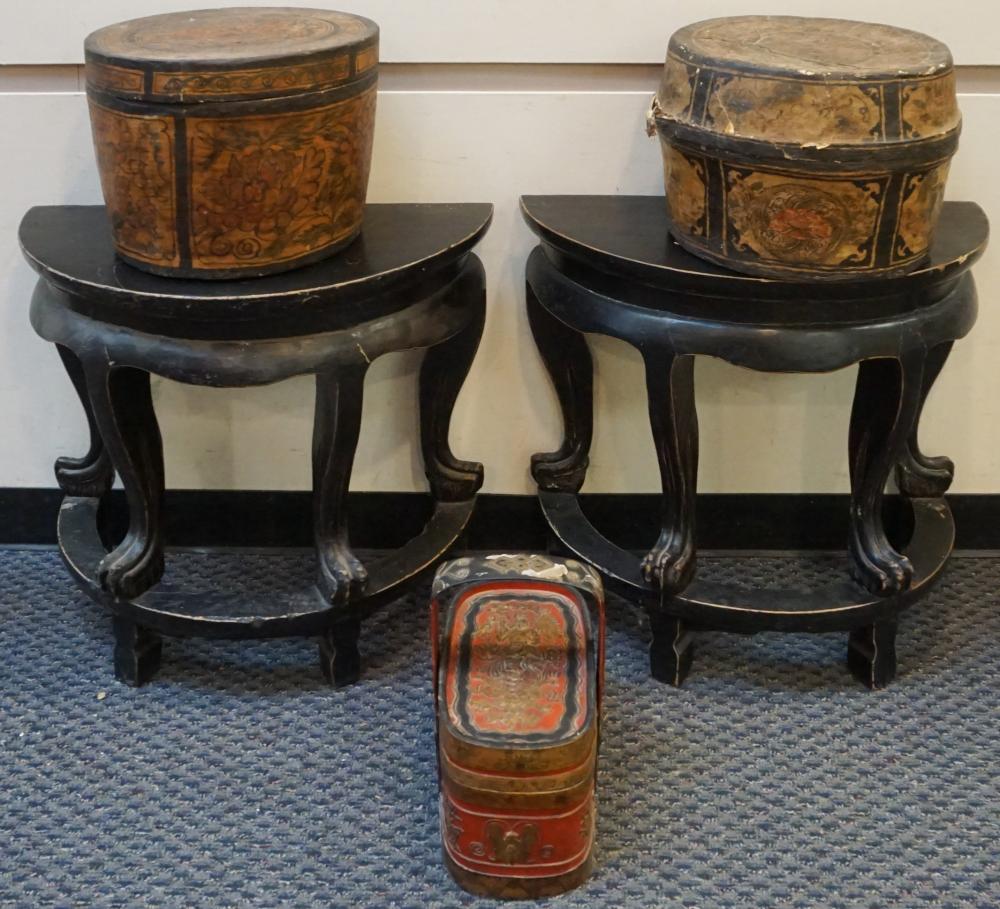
(506, 122)
(515, 31)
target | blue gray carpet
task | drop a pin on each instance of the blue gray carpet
(238, 779)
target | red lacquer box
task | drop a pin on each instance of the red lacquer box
(518, 660)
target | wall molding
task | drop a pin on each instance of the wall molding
(387, 519)
(47, 78)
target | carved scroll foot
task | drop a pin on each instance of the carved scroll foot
(339, 656)
(132, 568)
(454, 480)
(886, 403)
(871, 654)
(671, 651)
(559, 471)
(123, 410)
(442, 375)
(877, 567)
(137, 652)
(91, 475)
(342, 577)
(568, 361)
(671, 563)
(919, 475)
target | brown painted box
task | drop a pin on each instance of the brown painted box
(806, 148)
(518, 659)
(233, 142)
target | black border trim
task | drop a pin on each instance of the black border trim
(182, 200)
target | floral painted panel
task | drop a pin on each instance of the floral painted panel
(687, 191)
(274, 188)
(929, 107)
(794, 111)
(137, 167)
(923, 196)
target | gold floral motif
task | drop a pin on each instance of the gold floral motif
(687, 191)
(929, 107)
(136, 163)
(277, 187)
(785, 110)
(676, 89)
(518, 673)
(923, 196)
(803, 221)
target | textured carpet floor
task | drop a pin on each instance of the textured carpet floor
(237, 778)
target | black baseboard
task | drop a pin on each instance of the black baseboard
(387, 519)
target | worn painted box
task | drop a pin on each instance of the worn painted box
(233, 142)
(806, 148)
(518, 646)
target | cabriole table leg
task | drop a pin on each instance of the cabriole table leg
(335, 439)
(92, 474)
(567, 359)
(123, 409)
(886, 402)
(442, 375)
(674, 422)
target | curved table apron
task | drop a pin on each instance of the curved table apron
(315, 323)
(672, 307)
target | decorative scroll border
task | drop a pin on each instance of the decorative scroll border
(307, 76)
(106, 77)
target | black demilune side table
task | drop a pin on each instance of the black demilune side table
(607, 265)
(410, 281)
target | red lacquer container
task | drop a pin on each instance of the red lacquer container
(518, 657)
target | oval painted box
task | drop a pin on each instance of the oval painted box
(233, 142)
(806, 148)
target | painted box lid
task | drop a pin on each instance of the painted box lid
(811, 84)
(232, 54)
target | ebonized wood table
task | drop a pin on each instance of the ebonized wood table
(606, 265)
(410, 281)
